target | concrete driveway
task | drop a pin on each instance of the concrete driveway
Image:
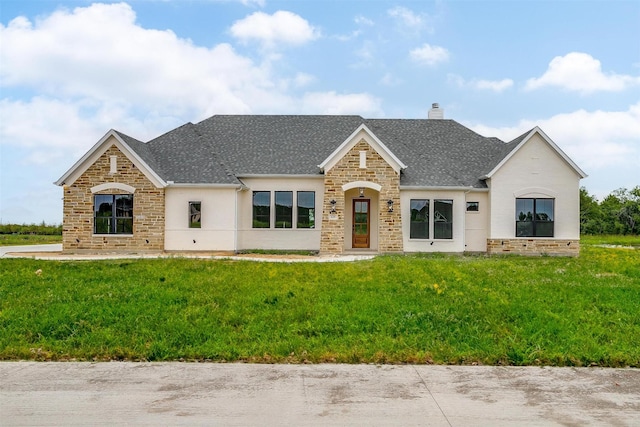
(151, 394)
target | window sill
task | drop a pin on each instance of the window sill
(112, 235)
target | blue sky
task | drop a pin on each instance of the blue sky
(72, 70)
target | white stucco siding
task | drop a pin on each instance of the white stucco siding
(217, 232)
(477, 222)
(278, 238)
(456, 244)
(535, 171)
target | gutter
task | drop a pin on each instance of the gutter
(203, 185)
(443, 188)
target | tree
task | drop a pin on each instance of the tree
(618, 213)
(590, 214)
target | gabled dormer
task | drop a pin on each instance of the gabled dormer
(362, 135)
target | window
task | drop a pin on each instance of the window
(473, 206)
(195, 217)
(443, 219)
(261, 209)
(113, 214)
(305, 214)
(306, 209)
(284, 209)
(419, 228)
(534, 217)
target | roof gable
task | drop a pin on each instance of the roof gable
(362, 132)
(520, 141)
(110, 138)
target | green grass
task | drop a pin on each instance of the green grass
(29, 234)
(628, 240)
(394, 309)
(28, 239)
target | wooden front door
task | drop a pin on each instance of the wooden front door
(361, 223)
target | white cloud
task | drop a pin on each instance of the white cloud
(408, 21)
(282, 27)
(365, 54)
(389, 80)
(260, 3)
(580, 72)
(406, 17)
(429, 55)
(333, 103)
(95, 68)
(494, 85)
(100, 53)
(593, 139)
(363, 21)
(480, 84)
(303, 79)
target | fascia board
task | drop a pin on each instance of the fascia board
(441, 188)
(97, 150)
(62, 180)
(548, 140)
(374, 141)
(561, 153)
(201, 185)
(280, 176)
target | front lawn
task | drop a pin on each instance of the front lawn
(393, 309)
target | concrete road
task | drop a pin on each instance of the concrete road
(53, 247)
(152, 394)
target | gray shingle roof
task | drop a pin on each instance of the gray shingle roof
(143, 150)
(222, 148)
(185, 157)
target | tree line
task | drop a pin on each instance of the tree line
(39, 229)
(618, 213)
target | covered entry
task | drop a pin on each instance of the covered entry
(361, 196)
(361, 219)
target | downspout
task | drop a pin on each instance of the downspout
(235, 222)
(464, 222)
(235, 219)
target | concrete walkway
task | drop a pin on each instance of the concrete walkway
(54, 252)
(54, 247)
(152, 394)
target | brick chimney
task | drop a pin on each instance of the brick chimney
(436, 113)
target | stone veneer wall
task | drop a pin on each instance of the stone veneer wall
(148, 209)
(348, 170)
(524, 246)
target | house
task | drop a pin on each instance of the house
(333, 184)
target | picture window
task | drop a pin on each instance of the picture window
(113, 214)
(534, 217)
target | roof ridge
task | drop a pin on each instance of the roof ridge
(187, 124)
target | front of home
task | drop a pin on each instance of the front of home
(333, 184)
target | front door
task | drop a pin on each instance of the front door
(361, 228)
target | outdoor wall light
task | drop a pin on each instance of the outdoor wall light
(389, 205)
(361, 189)
(333, 206)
